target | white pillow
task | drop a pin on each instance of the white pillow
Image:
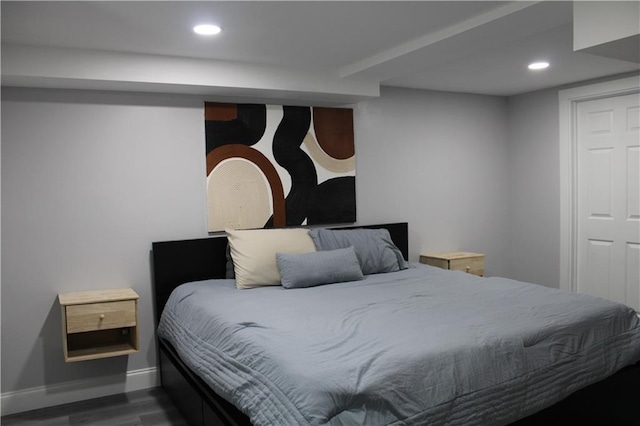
(254, 253)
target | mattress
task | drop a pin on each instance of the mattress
(418, 346)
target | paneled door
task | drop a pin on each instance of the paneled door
(608, 198)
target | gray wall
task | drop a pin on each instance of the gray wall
(534, 188)
(90, 179)
(439, 161)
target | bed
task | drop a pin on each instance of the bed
(417, 345)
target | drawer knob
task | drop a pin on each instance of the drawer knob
(101, 316)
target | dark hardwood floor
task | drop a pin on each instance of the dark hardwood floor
(149, 407)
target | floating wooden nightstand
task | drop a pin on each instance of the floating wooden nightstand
(472, 263)
(99, 324)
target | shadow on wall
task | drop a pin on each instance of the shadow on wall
(58, 374)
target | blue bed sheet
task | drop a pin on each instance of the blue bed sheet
(417, 346)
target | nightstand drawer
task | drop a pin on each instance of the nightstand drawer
(100, 316)
(471, 265)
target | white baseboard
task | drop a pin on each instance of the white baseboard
(77, 390)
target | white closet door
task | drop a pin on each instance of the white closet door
(608, 191)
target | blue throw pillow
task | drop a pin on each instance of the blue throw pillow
(298, 270)
(374, 247)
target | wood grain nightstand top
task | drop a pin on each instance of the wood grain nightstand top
(96, 296)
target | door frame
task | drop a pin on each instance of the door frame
(568, 106)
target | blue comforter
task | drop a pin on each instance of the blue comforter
(418, 346)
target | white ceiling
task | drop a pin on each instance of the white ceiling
(464, 46)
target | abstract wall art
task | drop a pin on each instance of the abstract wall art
(273, 166)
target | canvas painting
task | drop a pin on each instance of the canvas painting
(275, 166)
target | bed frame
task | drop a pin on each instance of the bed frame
(178, 262)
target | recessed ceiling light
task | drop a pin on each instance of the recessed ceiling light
(206, 29)
(538, 65)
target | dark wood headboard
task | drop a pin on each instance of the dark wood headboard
(179, 262)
